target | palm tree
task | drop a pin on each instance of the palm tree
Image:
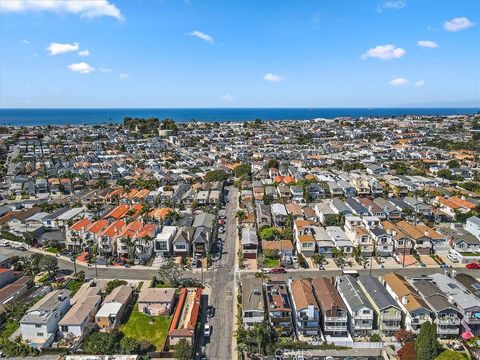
(339, 255)
(240, 215)
(318, 259)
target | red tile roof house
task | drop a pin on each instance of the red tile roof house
(156, 301)
(184, 322)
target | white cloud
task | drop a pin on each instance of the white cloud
(82, 68)
(84, 53)
(427, 44)
(459, 23)
(272, 77)
(227, 97)
(420, 83)
(124, 76)
(392, 4)
(202, 36)
(399, 82)
(107, 70)
(384, 52)
(84, 8)
(25, 41)
(57, 48)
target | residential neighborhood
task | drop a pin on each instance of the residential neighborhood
(352, 234)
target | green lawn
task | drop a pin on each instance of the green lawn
(154, 329)
(271, 263)
(74, 285)
(470, 253)
(52, 250)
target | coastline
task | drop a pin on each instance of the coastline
(97, 116)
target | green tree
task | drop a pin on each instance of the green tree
(48, 264)
(113, 284)
(453, 164)
(101, 343)
(169, 272)
(269, 233)
(183, 350)
(426, 344)
(444, 173)
(273, 163)
(216, 175)
(129, 346)
(318, 259)
(243, 170)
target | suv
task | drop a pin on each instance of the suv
(452, 258)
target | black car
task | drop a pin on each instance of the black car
(211, 311)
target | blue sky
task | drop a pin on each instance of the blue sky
(245, 53)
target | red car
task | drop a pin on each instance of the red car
(278, 270)
(473, 265)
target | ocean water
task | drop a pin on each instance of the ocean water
(30, 117)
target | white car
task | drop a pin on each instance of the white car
(452, 258)
(207, 330)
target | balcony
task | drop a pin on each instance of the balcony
(336, 319)
(448, 331)
(330, 328)
(448, 321)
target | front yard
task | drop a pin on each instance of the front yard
(154, 329)
(271, 263)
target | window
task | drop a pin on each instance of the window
(40, 334)
(38, 325)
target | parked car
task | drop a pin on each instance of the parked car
(194, 263)
(211, 311)
(221, 230)
(207, 330)
(473, 265)
(221, 222)
(452, 258)
(4, 244)
(278, 270)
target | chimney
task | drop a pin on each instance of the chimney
(404, 300)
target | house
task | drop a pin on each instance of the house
(163, 240)
(339, 207)
(402, 243)
(464, 300)
(422, 243)
(294, 210)
(202, 198)
(186, 316)
(374, 169)
(279, 307)
(281, 247)
(80, 318)
(414, 307)
(7, 276)
(445, 314)
(347, 188)
(334, 313)
(341, 240)
(391, 212)
(253, 305)
(361, 313)
(279, 213)
(39, 325)
(356, 207)
(264, 217)
(359, 235)
(388, 314)
(463, 245)
(325, 213)
(182, 242)
(156, 301)
(324, 243)
(305, 310)
(249, 240)
(15, 290)
(384, 245)
(114, 308)
(472, 225)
